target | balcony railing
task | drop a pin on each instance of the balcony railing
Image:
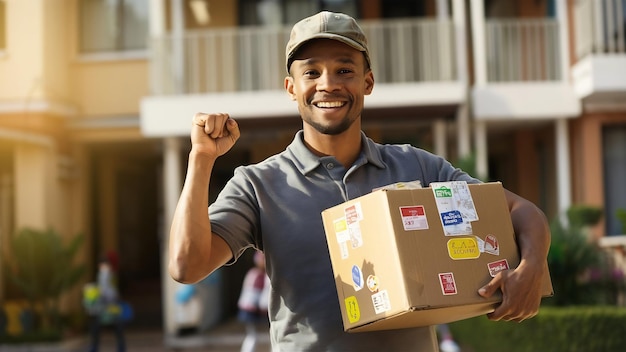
(600, 27)
(523, 50)
(253, 58)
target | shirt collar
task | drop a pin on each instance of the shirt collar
(306, 161)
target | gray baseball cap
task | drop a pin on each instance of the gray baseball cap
(328, 25)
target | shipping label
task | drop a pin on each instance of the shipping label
(354, 215)
(456, 207)
(414, 218)
(381, 302)
(343, 236)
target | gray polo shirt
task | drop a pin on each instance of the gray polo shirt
(276, 206)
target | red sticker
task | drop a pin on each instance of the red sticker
(352, 215)
(448, 286)
(496, 267)
(491, 245)
(412, 211)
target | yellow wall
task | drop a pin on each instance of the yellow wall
(21, 69)
(109, 87)
(55, 47)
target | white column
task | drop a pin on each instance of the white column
(561, 125)
(172, 185)
(563, 167)
(156, 21)
(480, 79)
(479, 48)
(480, 133)
(178, 46)
(462, 114)
(561, 14)
(440, 137)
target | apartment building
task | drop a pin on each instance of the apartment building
(96, 100)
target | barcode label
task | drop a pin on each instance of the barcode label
(381, 302)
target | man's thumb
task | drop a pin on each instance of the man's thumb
(489, 289)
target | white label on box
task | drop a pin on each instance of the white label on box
(343, 249)
(354, 215)
(381, 302)
(456, 207)
(489, 245)
(355, 236)
(414, 218)
(341, 230)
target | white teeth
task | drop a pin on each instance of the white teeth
(329, 104)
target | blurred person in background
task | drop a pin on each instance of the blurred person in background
(253, 301)
(103, 304)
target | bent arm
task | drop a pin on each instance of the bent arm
(522, 287)
(532, 231)
(194, 250)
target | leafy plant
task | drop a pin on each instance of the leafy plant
(42, 268)
(581, 271)
(581, 215)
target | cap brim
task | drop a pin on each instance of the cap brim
(333, 36)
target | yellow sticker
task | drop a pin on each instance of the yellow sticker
(463, 248)
(340, 225)
(352, 309)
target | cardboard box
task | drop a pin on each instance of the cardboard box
(396, 265)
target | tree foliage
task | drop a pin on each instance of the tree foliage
(42, 267)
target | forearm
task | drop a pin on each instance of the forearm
(190, 234)
(532, 231)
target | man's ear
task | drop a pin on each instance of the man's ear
(289, 87)
(369, 82)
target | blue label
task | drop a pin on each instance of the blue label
(451, 218)
(357, 277)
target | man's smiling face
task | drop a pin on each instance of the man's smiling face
(328, 80)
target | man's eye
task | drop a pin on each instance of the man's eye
(345, 70)
(310, 73)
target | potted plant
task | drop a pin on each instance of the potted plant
(41, 267)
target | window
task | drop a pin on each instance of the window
(3, 25)
(278, 12)
(614, 153)
(113, 25)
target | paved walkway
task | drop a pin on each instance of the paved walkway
(226, 337)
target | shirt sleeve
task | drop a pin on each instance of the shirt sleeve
(235, 215)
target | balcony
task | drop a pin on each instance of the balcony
(242, 70)
(523, 59)
(599, 73)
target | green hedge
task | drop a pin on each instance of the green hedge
(554, 329)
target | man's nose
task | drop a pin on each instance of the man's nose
(328, 82)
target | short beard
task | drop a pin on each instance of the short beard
(331, 130)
